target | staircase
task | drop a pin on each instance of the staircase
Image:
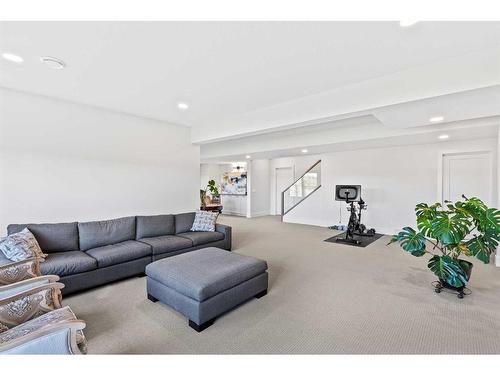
(302, 188)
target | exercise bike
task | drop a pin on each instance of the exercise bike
(351, 194)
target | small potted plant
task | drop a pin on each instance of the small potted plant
(214, 192)
(464, 228)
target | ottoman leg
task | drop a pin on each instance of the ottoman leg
(201, 327)
(151, 298)
(261, 294)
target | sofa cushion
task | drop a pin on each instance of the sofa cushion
(166, 244)
(154, 226)
(51, 237)
(107, 232)
(184, 222)
(204, 273)
(201, 238)
(67, 263)
(119, 253)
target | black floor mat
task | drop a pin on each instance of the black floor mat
(365, 241)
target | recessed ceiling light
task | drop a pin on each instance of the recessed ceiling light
(182, 105)
(444, 136)
(436, 119)
(248, 156)
(304, 151)
(407, 23)
(53, 62)
(12, 57)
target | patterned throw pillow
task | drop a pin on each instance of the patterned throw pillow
(204, 221)
(20, 246)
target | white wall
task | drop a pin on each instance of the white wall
(209, 171)
(393, 180)
(61, 161)
(260, 187)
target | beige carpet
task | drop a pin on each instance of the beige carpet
(323, 298)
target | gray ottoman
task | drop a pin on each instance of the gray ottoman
(204, 284)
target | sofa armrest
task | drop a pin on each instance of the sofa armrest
(57, 338)
(226, 230)
(21, 270)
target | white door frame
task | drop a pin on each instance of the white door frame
(487, 151)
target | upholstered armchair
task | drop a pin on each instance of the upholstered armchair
(32, 319)
(13, 272)
(56, 332)
(28, 299)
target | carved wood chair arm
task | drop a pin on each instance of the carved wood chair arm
(20, 270)
(28, 304)
(43, 340)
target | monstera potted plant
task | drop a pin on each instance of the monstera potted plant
(464, 228)
(214, 192)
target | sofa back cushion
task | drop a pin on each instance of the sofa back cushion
(184, 222)
(52, 238)
(154, 226)
(106, 232)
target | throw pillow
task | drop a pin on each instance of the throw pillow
(20, 246)
(204, 221)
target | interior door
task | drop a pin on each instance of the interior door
(468, 173)
(284, 178)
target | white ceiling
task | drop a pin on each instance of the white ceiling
(248, 77)
(341, 135)
(465, 105)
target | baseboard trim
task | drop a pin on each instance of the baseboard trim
(259, 214)
(231, 213)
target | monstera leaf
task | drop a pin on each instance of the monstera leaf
(462, 248)
(424, 210)
(472, 207)
(450, 229)
(491, 219)
(411, 241)
(449, 270)
(466, 267)
(481, 246)
(425, 227)
(425, 215)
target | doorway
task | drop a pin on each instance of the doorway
(468, 173)
(284, 178)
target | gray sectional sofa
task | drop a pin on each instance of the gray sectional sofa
(88, 254)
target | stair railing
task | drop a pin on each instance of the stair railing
(303, 187)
